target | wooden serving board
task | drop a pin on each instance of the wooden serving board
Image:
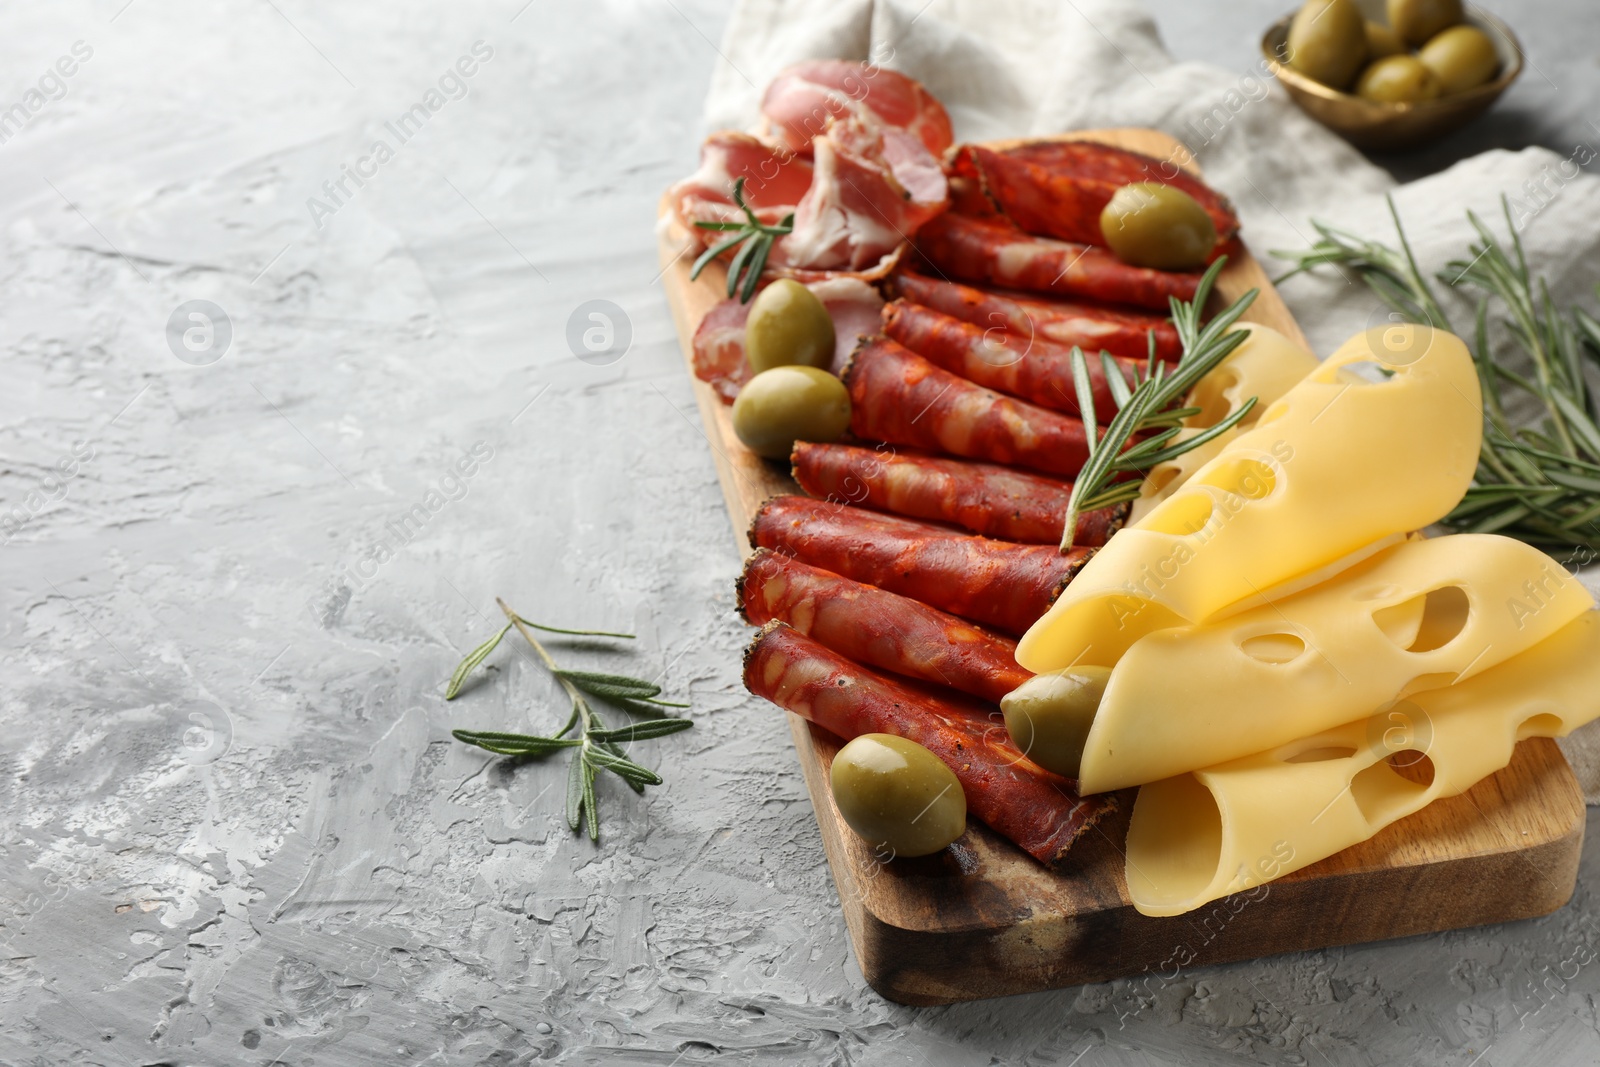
(982, 919)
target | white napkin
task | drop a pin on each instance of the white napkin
(1010, 68)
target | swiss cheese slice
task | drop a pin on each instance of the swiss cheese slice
(1199, 836)
(1266, 366)
(1419, 615)
(1343, 461)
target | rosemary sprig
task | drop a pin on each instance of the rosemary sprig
(598, 746)
(1537, 479)
(754, 240)
(1147, 408)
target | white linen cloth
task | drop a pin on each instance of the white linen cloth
(1011, 68)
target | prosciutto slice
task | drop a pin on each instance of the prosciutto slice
(1028, 367)
(801, 101)
(899, 397)
(775, 181)
(1000, 584)
(983, 498)
(992, 251)
(1058, 188)
(719, 356)
(878, 628)
(871, 189)
(1039, 812)
(1092, 327)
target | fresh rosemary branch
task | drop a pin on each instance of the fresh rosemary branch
(1148, 406)
(1539, 480)
(598, 746)
(754, 239)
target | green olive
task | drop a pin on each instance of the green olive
(788, 326)
(1382, 41)
(1328, 41)
(1149, 224)
(1049, 715)
(1417, 21)
(898, 795)
(783, 405)
(1461, 57)
(1398, 80)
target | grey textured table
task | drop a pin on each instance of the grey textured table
(243, 552)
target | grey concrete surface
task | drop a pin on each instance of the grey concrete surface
(235, 829)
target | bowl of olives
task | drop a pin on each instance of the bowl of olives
(1392, 75)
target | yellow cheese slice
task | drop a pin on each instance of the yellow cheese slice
(1419, 615)
(1266, 366)
(1382, 438)
(1196, 837)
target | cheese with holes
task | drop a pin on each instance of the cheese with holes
(1417, 616)
(1382, 438)
(1266, 366)
(1196, 837)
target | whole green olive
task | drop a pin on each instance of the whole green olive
(1383, 41)
(783, 405)
(1328, 41)
(788, 326)
(898, 795)
(1049, 715)
(1398, 80)
(1461, 57)
(1416, 21)
(1149, 224)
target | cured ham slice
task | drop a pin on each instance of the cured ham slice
(995, 252)
(871, 189)
(719, 357)
(1039, 812)
(878, 628)
(774, 182)
(1058, 188)
(855, 206)
(1092, 327)
(998, 583)
(899, 397)
(984, 498)
(801, 101)
(1028, 367)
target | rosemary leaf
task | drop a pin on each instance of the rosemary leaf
(618, 686)
(575, 774)
(641, 731)
(621, 766)
(514, 744)
(475, 657)
(591, 810)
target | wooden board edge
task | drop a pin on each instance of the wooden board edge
(925, 968)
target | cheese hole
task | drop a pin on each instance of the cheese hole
(1182, 515)
(1249, 478)
(1273, 648)
(1428, 622)
(1210, 396)
(1321, 754)
(1357, 372)
(1392, 787)
(1273, 413)
(1545, 725)
(1160, 478)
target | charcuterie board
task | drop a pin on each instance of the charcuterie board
(982, 919)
